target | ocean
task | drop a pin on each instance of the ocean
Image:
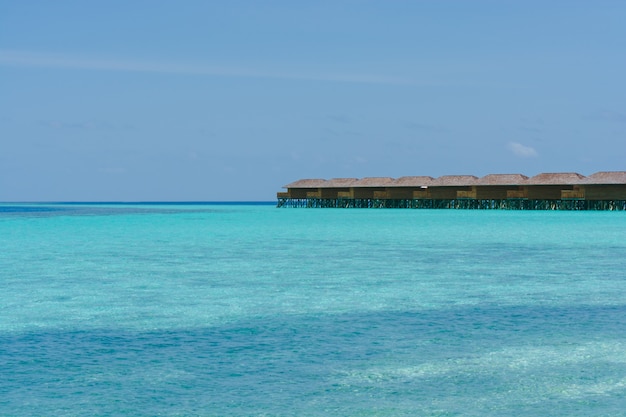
(250, 310)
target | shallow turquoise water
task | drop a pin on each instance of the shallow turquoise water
(214, 310)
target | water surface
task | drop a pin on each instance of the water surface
(213, 310)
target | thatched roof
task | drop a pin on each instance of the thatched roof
(613, 177)
(374, 182)
(556, 179)
(454, 180)
(563, 178)
(340, 182)
(502, 179)
(413, 181)
(307, 183)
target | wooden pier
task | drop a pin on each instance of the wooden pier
(562, 191)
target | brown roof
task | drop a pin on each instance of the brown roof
(413, 181)
(455, 180)
(340, 182)
(613, 177)
(556, 178)
(307, 183)
(502, 179)
(374, 182)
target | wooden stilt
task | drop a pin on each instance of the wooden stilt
(460, 204)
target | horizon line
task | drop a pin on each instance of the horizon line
(141, 202)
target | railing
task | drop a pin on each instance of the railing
(572, 195)
(466, 194)
(421, 194)
(515, 194)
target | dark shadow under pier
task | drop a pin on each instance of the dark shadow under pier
(465, 204)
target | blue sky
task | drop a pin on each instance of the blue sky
(206, 100)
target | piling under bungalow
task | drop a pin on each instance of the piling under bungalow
(548, 191)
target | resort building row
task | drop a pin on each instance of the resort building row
(548, 191)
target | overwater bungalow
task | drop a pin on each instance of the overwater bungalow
(564, 191)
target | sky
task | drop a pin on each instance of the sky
(155, 100)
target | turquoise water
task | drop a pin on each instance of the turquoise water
(249, 310)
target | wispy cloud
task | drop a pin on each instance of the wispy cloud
(424, 127)
(90, 125)
(339, 118)
(113, 170)
(609, 115)
(46, 60)
(522, 150)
